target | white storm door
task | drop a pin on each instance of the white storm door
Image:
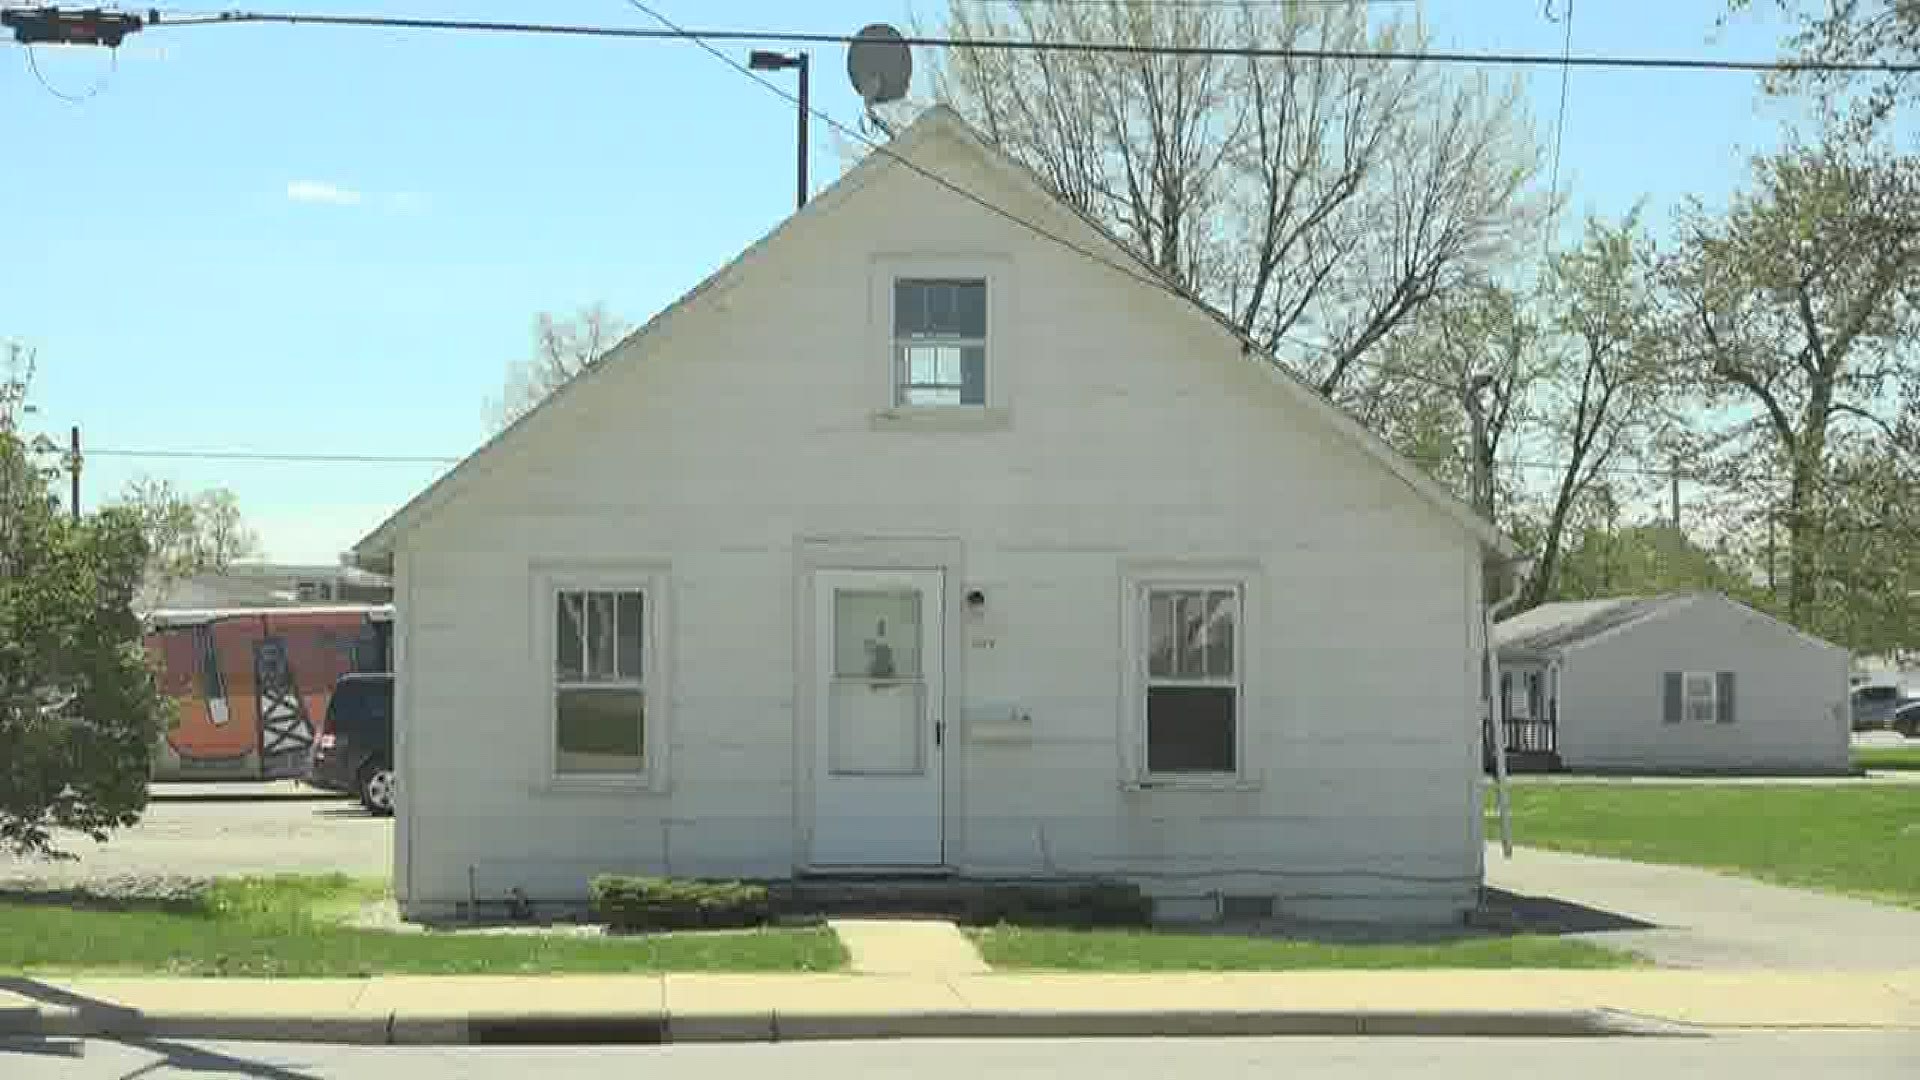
(878, 692)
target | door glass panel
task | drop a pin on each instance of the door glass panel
(876, 633)
(875, 729)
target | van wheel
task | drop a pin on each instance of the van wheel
(375, 787)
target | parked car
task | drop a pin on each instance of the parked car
(1874, 705)
(353, 751)
(1906, 718)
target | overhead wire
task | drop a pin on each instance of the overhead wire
(33, 65)
(161, 19)
(672, 30)
(1560, 123)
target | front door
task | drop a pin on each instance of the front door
(878, 691)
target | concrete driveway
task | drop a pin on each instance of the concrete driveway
(1684, 917)
(221, 829)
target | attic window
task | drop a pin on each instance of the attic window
(939, 341)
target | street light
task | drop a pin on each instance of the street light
(767, 60)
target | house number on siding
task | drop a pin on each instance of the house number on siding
(983, 643)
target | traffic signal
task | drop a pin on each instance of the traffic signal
(62, 26)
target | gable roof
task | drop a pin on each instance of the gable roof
(1551, 628)
(376, 548)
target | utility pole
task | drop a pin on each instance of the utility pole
(1482, 482)
(1673, 496)
(1773, 591)
(73, 468)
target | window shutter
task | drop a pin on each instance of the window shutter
(1724, 696)
(1506, 695)
(1671, 681)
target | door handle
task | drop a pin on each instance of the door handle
(939, 733)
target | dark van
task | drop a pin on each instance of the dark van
(353, 751)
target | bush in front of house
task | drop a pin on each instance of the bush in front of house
(627, 903)
(1103, 903)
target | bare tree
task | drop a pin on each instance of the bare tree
(1319, 202)
(185, 534)
(1800, 303)
(562, 348)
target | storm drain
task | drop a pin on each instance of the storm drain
(568, 1031)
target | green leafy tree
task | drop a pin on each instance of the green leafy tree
(1643, 560)
(79, 708)
(1849, 31)
(1599, 397)
(1795, 312)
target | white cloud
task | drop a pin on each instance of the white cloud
(315, 191)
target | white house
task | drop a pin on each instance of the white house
(1684, 682)
(932, 535)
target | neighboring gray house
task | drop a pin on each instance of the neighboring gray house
(259, 585)
(930, 538)
(1683, 682)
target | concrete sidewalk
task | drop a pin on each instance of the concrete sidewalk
(749, 1008)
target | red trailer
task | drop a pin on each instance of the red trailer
(250, 684)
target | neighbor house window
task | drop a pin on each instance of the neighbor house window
(1193, 680)
(599, 681)
(1699, 697)
(940, 341)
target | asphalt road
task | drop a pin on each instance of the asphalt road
(207, 837)
(1757, 1056)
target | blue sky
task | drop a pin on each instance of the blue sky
(317, 240)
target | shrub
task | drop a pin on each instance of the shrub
(1106, 903)
(654, 903)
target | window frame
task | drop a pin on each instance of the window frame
(1004, 345)
(1688, 698)
(1139, 586)
(901, 365)
(654, 684)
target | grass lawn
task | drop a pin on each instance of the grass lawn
(1862, 840)
(1148, 950)
(290, 926)
(1888, 757)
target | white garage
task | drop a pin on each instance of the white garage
(1677, 683)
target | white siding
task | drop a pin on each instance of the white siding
(1790, 694)
(1132, 430)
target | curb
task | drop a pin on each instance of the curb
(655, 1028)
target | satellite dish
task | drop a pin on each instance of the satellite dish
(879, 64)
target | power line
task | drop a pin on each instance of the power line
(1153, 281)
(294, 457)
(1022, 45)
(1560, 124)
(1205, 3)
(283, 457)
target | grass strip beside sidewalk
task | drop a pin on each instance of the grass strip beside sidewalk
(1022, 948)
(290, 926)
